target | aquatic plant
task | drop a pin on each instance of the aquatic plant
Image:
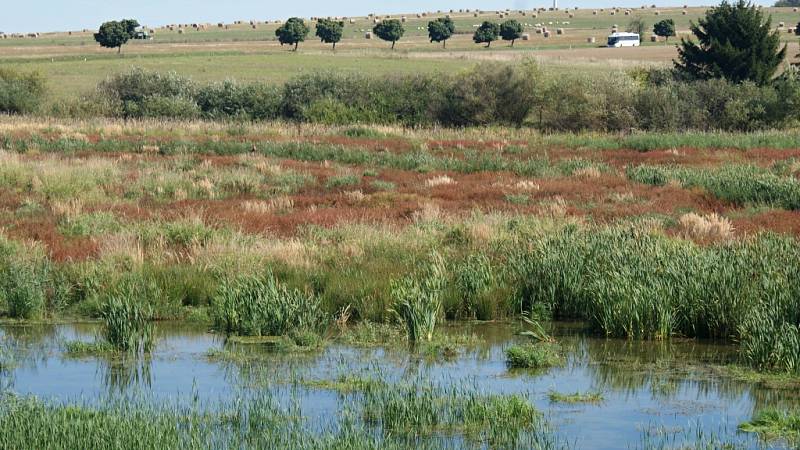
(575, 397)
(775, 424)
(127, 321)
(261, 306)
(533, 356)
(418, 299)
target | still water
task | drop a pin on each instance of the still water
(670, 390)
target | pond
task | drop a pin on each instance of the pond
(662, 391)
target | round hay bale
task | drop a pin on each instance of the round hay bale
(180, 30)
(526, 37)
(613, 13)
(352, 20)
(683, 12)
(368, 35)
(591, 40)
(475, 15)
(559, 31)
(658, 13)
(627, 13)
(781, 24)
(546, 34)
(571, 15)
(790, 30)
(403, 19)
(594, 13)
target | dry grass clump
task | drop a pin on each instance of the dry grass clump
(441, 180)
(277, 204)
(557, 207)
(67, 209)
(428, 212)
(355, 196)
(587, 173)
(526, 185)
(711, 226)
(205, 186)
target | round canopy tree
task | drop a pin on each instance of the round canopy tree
(665, 28)
(735, 42)
(486, 33)
(441, 29)
(511, 30)
(115, 34)
(330, 31)
(293, 32)
(389, 30)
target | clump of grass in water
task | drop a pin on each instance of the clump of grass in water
(128, 325)
(77, 349)
(418, 300)
(532, 356)
(775, 424)
(576, 397)
(261, 306)
(415, 408)
(542, 353)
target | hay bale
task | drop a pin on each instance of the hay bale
(790, 30)
(683, 12)
(654, 38)
(180, 30)
(475, 15)
(352, 20)
(571, 15)
(559, 31)
(376, 21)
(546, 34)
(403, 19)
(368, 35)
(658, 13)
(781, 24)
(794, 9)
(591, 40)
(594, 13)
(526, 37)
(220, 25)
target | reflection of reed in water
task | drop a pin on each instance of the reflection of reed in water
(29, 346)
(667, 368)
(122, 374)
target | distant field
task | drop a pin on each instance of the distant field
(74, 63)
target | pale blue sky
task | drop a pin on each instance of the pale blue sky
(61, 15)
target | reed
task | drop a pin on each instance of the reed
(127, 320)
(418, 299)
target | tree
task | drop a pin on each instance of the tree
(785, 3)
(115, 34)
(389, 30)
(638, 26)
(511, 30)
(736, 42)
(486, 33)
(665, 28)
(441, 29)
(293, 32)
(330, 31)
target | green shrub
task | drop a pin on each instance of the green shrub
(142, 93)
(261, 306)
(229, 99)
(20, 93)
(493, 94)
(24, 285)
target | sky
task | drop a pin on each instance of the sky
(17, 16)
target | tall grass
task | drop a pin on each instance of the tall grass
(261, 306)
(736, 184)
(127, 320)
(418, 299)
(24, 280)
(628, 282)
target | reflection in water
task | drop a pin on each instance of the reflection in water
(120, 375)
(646, 385)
